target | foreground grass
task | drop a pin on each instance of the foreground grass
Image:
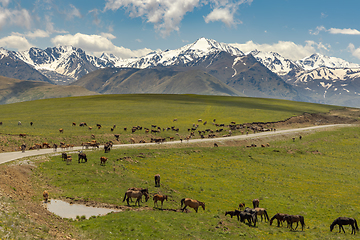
(144, 110)
(317, 177)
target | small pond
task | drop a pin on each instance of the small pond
(67, 210)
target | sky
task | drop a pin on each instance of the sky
(132, 28)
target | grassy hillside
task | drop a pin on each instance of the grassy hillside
(50, 115)
(310, 177)
(161, 81)
(14, 90)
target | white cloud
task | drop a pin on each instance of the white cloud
(226, 15)
(287, 49)
(20, 17)
(15, 41)
(4, 2)
(73, 12)
(97, 44)
(166, 15)
(345, 31)
(354, 51)
(38, 33)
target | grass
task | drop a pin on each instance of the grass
(136, 110)
(317, 177)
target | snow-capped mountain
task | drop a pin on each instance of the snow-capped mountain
(274, 62)
(64, 60)
(317, 60)
(202, 47)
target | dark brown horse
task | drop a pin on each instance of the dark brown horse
(280, 217)
(249, 216)
(160, 198)
(82, 156)
(192, 203)
(157, 180)
(233, 213)
(290, 219)
(256, 203)
(345, 221)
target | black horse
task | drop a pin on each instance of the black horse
(345, 221)
(157, 180)
(233, 213)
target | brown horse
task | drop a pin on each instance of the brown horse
(256, 203)
(192, 203)
(249, 216)
(46, 196)
(161, 198)
(280, 217)
(345, 221)
(157, 180)
(242, 206)
(290, 219)
(261, 212)
(136, 194)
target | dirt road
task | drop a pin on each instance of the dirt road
(10, 156)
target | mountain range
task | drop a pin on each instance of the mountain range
(203, 67)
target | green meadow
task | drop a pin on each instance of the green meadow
(317, 177)
(144, 110)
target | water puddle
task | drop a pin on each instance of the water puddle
(67, 210)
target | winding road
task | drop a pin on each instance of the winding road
(10, 156)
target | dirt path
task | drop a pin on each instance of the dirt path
(10, 156)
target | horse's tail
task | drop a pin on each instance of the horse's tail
(356, 226)
(124, 198)
(182, 201)
(302, 221)
(266, 215)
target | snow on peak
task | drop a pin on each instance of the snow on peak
(274, 62)
(318, 60)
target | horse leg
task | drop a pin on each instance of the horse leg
(162, 202)
(297, 224)
(341, 228)
(196, 209)
(127, 200)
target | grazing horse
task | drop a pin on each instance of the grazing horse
(136, 194)
(256, 203)
(261, 212)
(345, 221)
(157, 180)
(249, 216)
(280, 217)
(103, 160)
(55, 147)
(23, 147)
(61, 130)
(242, 206)
(82, 156)
(290, 219)
(64, 156)
(46, 196)
(233, 213)
(192, 203)
(161, 198)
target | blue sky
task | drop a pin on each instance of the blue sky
(131, 28)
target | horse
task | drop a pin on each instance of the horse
(345, 221)
(280, 217)
(261, 212)
(23, 147)
(241, 206)
(157, 180)
(233, 213)
(192, 203)
(290, 219)
(250, 217)
(46, 196)
(161, 198)
(256, 203)
(103, 160)
(82, 156)
(63, 156)
(136, 194)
